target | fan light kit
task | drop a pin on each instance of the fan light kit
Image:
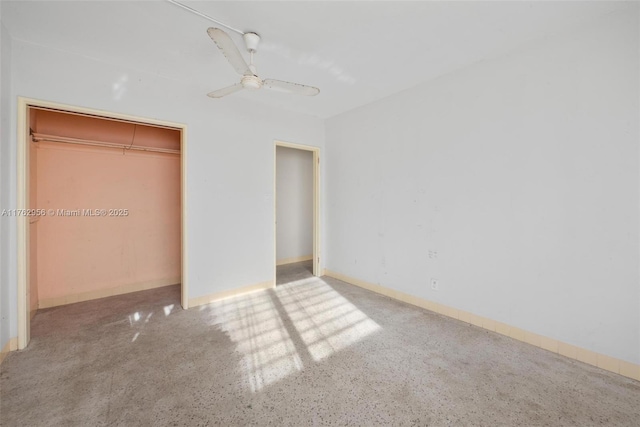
(250, 79)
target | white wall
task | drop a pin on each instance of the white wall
(6, 296)
(230, 163)
(294, 203)
(520, 172)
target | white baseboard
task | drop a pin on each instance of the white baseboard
(102, 293)
(612, 364)
(194, 302)
(291, 260)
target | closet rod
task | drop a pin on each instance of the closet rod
(37, 137)
(96, 116)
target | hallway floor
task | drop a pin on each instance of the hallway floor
(313, 351)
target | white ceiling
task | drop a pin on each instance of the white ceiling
(355, 52)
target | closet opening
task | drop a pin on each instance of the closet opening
(104, 202)
(296, 212)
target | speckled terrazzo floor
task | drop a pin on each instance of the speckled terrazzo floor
(312, 352)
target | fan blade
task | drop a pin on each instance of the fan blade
(229, 50)
(291, 87)
(225, 91)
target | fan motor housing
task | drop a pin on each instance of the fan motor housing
(251, 82)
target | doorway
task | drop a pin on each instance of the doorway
(297, 203)
(102, 223)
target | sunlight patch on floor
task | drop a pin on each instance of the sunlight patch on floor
(134, 317)
(135, 320)
(253, 322)
(167, 309)
(278, 331)
(325, 320)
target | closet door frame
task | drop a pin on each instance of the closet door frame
(22, 196)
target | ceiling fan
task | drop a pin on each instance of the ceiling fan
(250, 79)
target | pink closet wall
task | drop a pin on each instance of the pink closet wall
(83, 257)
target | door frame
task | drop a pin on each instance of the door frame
(317, 269)
(24, 315)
